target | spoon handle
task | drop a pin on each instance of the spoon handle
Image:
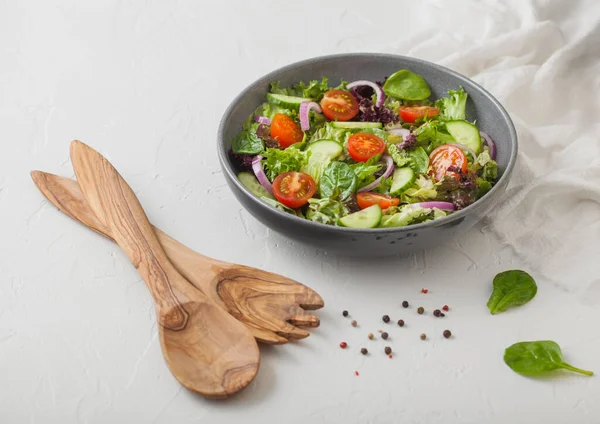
(116, 206)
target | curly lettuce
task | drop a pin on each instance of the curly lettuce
(407, 214)
(325, 211)
(315, 89)
(454, 106)
(422, 189)
(278, 161)
(365, 171)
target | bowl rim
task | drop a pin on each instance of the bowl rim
(296, 220)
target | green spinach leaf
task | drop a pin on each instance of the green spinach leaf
(338, 181)
(247, 142)
(537, 357)
(511, 288)
(406, 85)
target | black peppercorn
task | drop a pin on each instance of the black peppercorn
(345, 313)
(447, 334)
(405, 304)
(364, 351)
(388, 350)
(442, 314)
(420, 310)
(437, 313)
(401, 322)
(385, 318)
(384, 335)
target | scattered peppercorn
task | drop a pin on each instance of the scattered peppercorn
(390, 356)
(343, 345)
(442, 314)
(388, 350)
(437, 313)
(446, 308)
(420, 310)
(447, 334)
(423, 336)
(401, 322)
(405, 304)
(345, 313)
(384, 335)
(371, 336)
(424, 291)
(354, 323)
(364, 351)
(356, 373)
(385, 318)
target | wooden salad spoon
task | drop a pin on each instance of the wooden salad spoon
(206, 349)
(270, 305)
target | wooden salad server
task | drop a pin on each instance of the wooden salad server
(206, 349)
(270, 305)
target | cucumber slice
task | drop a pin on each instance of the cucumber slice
(465, 133)
(286, 101)
(327, 148)
(356, 125)
(402, 179)
(367, 218)
(251, 183)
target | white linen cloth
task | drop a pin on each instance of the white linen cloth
(541, 59)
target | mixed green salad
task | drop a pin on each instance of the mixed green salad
(364, 154)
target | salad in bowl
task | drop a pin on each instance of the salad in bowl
(364, 154)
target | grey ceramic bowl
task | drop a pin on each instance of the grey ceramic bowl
(482, 106)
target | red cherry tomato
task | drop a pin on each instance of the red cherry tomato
(339, 105)
(411, 113)
(367, 199)
(293, 189)
(285, 130)
(363, 146)
(443, 158)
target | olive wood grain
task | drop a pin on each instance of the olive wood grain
(270, 305)
(206, 349)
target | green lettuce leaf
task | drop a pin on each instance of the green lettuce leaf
(453, 107)
(325, 211)
(418, 160)
(278, 205)
(422, 189)
(433, 133)
(315, 89)
(316, 166)
(277, 161)
(328, 132)
(406, 215)
(364, 171)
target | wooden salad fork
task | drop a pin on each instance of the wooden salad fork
(270, 305)
(206, 349)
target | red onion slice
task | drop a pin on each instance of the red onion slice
(466, 149)
(445, 206)
(389, 163)
(400, 131)
(257, 167)
(490, 144)
(305, 108)
(378, 90)
(262, 120)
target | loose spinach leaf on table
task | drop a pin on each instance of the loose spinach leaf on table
(511, 288)
(537, 357)
(338, 181)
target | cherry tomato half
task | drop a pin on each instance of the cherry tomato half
(293, 189)
(285, 130)
(411, 113)
(367, 199)
(363, 146)
(444, 157)
(339, 105)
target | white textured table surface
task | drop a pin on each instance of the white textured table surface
(146, 82)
